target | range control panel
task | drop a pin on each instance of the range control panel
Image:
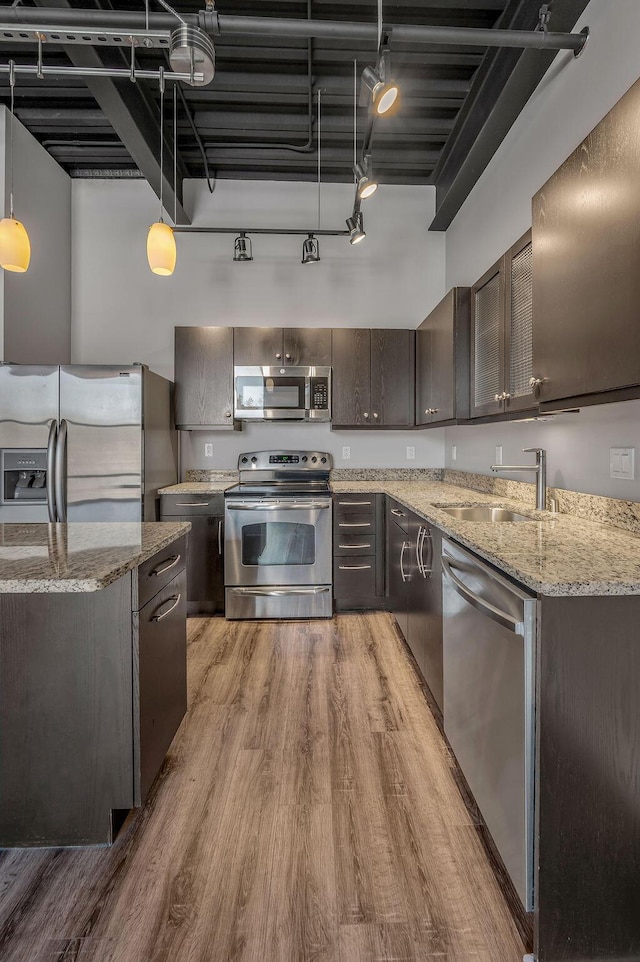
(282, 460)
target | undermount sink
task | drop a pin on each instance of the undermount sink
(484, 512)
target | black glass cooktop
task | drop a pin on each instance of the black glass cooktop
(278, 489)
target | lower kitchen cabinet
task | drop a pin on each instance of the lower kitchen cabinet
(92, 692)
(358, 551)
(205, 558)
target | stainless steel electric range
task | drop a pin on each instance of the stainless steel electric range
(277, 558)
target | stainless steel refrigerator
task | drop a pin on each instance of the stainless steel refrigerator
(84, 443)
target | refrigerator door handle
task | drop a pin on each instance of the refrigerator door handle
(51, 461)
(61, 472)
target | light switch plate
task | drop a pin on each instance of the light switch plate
(498, 454)
(346, 452)
(454, 452)
(622, 463)
(208, 449)
(411, 452)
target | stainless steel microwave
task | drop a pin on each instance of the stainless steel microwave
(282, 393)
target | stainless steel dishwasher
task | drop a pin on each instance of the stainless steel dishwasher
(489, 701)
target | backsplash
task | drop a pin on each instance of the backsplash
(387, 474)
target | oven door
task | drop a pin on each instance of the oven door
(265, 394)
(277, 542)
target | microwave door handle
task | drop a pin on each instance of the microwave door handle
(51, 467)
(496, 614)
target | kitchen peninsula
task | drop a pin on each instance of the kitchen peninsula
(92, 674)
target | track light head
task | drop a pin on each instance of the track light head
(355, 226)
(384, 93)
(311, 250)
(366, 184)
(242, 250)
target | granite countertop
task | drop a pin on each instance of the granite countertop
(555, 554)
(198, 487)
(77, 556)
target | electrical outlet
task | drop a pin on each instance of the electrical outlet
(622, 463)
(498, 454)
(411, 452)
(454, 452)
(208, 450)
(346, 452)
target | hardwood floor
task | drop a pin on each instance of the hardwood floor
(306, 812)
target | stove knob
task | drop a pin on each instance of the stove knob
(314, 459)
(304, 457)
(254, 460)
(324, 460)
(244, 460)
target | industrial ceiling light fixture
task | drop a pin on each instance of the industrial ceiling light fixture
(310, 250)
(242, 250)
(161, 242)
(355, 226)
(366, 184)
(383, 91)
(15, 247)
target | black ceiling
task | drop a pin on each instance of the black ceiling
(252, 121)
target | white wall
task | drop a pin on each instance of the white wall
(573, 97)
(35, 308)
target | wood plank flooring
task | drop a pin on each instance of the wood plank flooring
(306, 812)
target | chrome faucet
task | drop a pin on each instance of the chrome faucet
(540, 469)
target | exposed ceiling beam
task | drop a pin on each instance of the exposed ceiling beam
(133, 117)
(501, 88)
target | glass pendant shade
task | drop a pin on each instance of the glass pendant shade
(15, 248)
(161, 249)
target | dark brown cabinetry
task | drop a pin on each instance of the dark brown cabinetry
(358, 551)
(269, 346)
(398, 564)
(442, 361)
(204, 377)
(373, 378)
(586, 251)
(205, 557)
(501, 335)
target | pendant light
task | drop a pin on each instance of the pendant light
(161, 242)
(311, 246)
(242, 248)
(15, 248)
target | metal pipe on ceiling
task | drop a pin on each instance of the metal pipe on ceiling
(226, 25)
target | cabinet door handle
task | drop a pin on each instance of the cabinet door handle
(354, 502)
(398, 514)
(288, 357)
(353, 567)
(227, 414)
(171, 564)
(375, 415)
(220, 536)
(366, 414)
(405, 545)
(354, 524)
(278, 356)
(176, 602)
(189, 504)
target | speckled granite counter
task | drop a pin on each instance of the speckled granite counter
(75, 557)
(199, 487)
(556, 554)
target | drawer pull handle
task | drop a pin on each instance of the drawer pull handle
(354, 545)
(170, 564)
(354, 524)
(353, 567)
(191, 504)
(176, 602)
(353, 502)
(398, 514)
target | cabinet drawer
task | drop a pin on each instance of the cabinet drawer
(189, 505)
(354, 577)
(346, 545)
(157, 571)
(345, 507)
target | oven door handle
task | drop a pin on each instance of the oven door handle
(276, 592)
(279, 506)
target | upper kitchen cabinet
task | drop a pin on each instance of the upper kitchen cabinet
(204, 377)
(586, 251)
(373, 378)
(442, 361)
(269, 346)
(501, 335)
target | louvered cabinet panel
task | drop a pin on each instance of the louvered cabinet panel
(519, 326)
(487, 342)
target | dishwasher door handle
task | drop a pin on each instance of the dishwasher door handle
(496, 614)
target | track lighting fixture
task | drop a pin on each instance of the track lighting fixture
(161, 243)
(310, 250)
(366, 185)
(15, 247)
(384, 93)
(355, 226)
(242, 248)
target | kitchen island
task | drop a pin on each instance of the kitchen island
(92, 674)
